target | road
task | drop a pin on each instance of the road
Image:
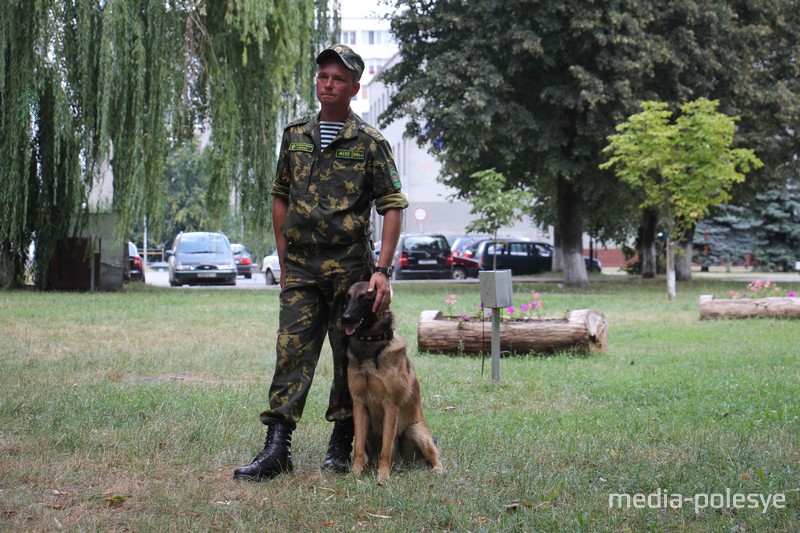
(160, 278)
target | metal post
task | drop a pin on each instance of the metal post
(496, 344)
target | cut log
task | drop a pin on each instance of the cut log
(773, 307)
(583, 331)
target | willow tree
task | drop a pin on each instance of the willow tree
(120, 83)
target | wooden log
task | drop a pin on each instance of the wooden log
(583, 331)
(772, 307)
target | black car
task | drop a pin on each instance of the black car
(519, 256)
(201, 258)
(421, 256)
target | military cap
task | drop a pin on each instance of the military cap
(346, 55)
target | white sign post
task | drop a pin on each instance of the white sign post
(420, 214)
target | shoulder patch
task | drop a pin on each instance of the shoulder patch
(298, 122)
(372, 132)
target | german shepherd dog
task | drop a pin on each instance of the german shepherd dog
(387, 407)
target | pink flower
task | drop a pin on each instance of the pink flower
(524, 307)
(510, 310)
(536, 295)
(453, 296)
(730, 292)
(791, 294)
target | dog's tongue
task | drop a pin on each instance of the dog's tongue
(349, 330)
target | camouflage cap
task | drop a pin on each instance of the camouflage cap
(346, 55)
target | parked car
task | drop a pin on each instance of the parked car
(243, 259)
(465, 267)
(421, 256)
(520, 256)
(201, 258)
(459, 245)
(271, 267)
(135, 268)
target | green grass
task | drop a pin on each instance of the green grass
(130, 411)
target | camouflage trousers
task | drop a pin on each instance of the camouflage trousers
(312, 301)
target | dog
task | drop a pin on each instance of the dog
(387, 405)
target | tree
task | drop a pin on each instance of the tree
(728, 236)
(534, 87)
(683, 168)
(778, 212)
(123, 82)
(496, 205)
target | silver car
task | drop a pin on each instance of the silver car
(201, 258)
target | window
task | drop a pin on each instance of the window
(375, 37)
(349, 37)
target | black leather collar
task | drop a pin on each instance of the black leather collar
(385, 336)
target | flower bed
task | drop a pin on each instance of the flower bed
(762, 299)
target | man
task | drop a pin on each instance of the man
(332, 169)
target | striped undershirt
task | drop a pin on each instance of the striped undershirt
(328, 132)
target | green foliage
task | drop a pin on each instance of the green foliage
(685, 167)
(534, 87)
(496, 205)
(122, 83)
(778, 211)
(726, 237)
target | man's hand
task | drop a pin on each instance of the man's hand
(379, 283)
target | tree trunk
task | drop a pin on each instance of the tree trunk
(583, 331)
(570, 213)
(648, 252)
(683, 257)
(557, 253)
(783, 307)
(671, 294)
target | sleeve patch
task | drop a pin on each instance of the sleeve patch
(395, 178)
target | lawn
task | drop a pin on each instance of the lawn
(129, 411)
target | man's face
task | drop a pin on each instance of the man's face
(336, 85)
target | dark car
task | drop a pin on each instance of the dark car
(421, 256)
(520, 256)
(135, 269)
(201, 258)
(243, 259)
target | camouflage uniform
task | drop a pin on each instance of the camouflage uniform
(327, 227)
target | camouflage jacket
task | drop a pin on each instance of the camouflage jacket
(331, 193)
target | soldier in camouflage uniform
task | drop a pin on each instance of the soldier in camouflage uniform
(322, 201)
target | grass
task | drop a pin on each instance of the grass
(129, 411)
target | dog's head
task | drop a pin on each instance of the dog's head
(358, 316)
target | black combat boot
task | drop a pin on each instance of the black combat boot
(340, 447)
(274, 459)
